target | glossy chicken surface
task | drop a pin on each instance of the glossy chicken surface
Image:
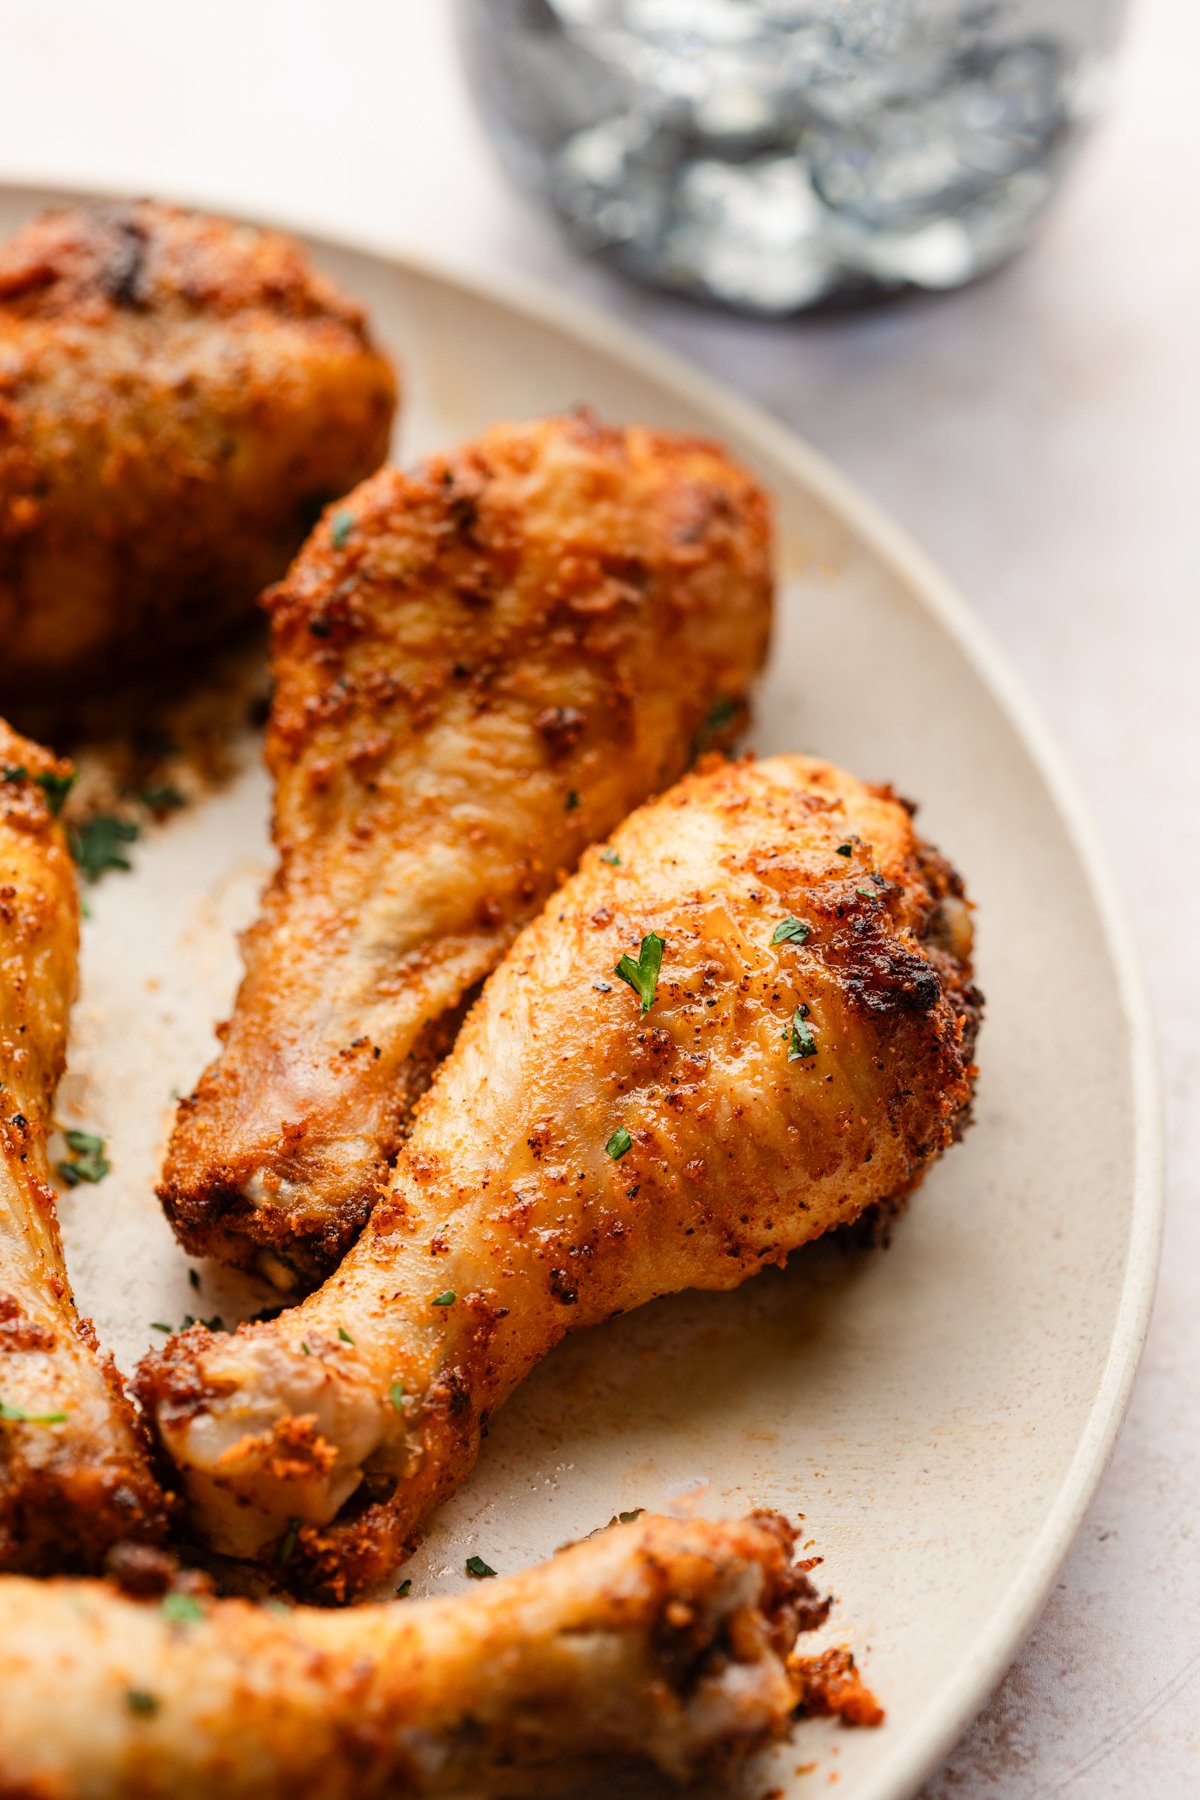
(662, 1642)
(179, 396)
(481, 667)
(806, 1052)
(74, 1472)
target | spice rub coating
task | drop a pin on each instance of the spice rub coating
(661, 1642)
(480, 668)
(179, 395)
(806, 1052)
(74, 1470)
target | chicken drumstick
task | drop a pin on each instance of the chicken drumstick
(662, 1641)
(741, 1023)
(480, 668)
(74, 1471)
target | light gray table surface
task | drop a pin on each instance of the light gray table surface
(1037, 434)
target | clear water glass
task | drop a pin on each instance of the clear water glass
(780, 154)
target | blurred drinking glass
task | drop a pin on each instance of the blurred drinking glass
(778, 154)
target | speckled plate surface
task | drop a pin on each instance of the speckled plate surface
(939, 1413)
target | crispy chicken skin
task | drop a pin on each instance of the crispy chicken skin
(74, 1470)
(662, 1642)
(178, 397)
(574, 1158)
(481, 667)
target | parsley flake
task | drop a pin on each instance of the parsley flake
(791, 931)
(803, 1042)
(164, 796)
(139, 1701)
(867, 893)
(845, 849)
(721, 714)
(404, 1589)
(627, 1518)
(84, 1168)
(642, 975)
(478, 1569)
(618, 1143)
(344, 1335)
(397, 1395)
(56, 788)
(611, 858)
(85, 1142)
(96, 844)
(446, 1299)
(343, 525)
(182, 1609)
(287, 1542)
(572, 799)
(16, 1415)
(88, 1161)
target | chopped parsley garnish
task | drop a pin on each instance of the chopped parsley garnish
(157, 1325)
(867, 893)
(791, 931)
(344, 1335)
(845, 849)
(404, 1588)
(139, 1701)
(343, 525)
(88, 1161)
(182, 1609)
(56, 788)
(618, 1143)
(642, 975)
(96, 844)
(397, 1395)
(721, 713)
(86, 1143)
(572, 799)
(478, 1569)
(287, 1542)
(803, 1042)
(84, 1168)
(627, 1518)
(446, 1299)
(610, 857)
(162, 797)
(304, 1346)
(194, 1277)
(16, 1415)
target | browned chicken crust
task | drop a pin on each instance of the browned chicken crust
(481, 667)
(576, 1156)
(178, 397)
(661, 1642)
(74, 1470)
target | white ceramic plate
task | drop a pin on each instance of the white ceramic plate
(941, 1412)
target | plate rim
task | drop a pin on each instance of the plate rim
(988, 1659)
